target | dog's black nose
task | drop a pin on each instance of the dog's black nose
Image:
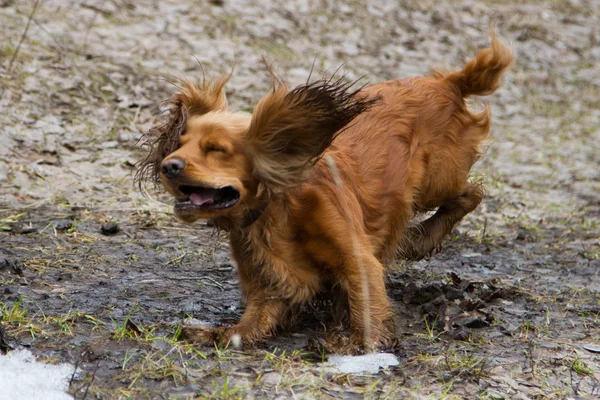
(171, 167)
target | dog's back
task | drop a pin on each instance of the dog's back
(414, 150)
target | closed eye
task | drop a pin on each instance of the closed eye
(214, 148)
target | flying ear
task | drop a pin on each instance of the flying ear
(290, 129)
(163, 138)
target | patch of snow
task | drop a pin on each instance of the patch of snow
(470, 255)
(23, 378)
(368, 363)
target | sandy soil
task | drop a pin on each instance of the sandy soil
(95, 274)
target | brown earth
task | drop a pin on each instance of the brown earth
(510, 308)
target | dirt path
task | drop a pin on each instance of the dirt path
(509, 309)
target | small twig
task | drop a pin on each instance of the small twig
(91, 23)
(129, 235)
(585, 252)
(135, 117)
(97, 9)
(197, 278)
(14, 57)
(28, 206)
(60, 47)
(91, 381)
(74, 372)
(177, 259)
(574, 387)
(213, 281)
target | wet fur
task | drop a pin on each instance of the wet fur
(401, 147)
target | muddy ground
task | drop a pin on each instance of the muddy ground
(96, 274)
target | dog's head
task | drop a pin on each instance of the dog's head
(222, 164)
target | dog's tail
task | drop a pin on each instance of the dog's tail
(481, 76)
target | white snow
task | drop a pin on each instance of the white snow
(23, 378)
(368, 363)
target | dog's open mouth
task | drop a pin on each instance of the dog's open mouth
(208, 198)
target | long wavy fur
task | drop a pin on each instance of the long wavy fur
(163, 139)
(290, 130)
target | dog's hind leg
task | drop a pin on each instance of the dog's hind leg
(422, 239)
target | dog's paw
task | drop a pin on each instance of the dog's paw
(203, 335)
(380, 343)
(209, 336)
(335, 343)
(339, 342)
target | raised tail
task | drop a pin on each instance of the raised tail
(481, 75)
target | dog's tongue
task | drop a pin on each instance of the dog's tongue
(206, 196)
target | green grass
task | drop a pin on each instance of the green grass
(6, 223)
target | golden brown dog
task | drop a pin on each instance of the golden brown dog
(318, 186)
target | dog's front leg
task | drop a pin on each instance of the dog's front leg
(261, 317)
(371, 317)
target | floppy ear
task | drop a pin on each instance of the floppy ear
(202, 99)
(290, 129)
(163, 139)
